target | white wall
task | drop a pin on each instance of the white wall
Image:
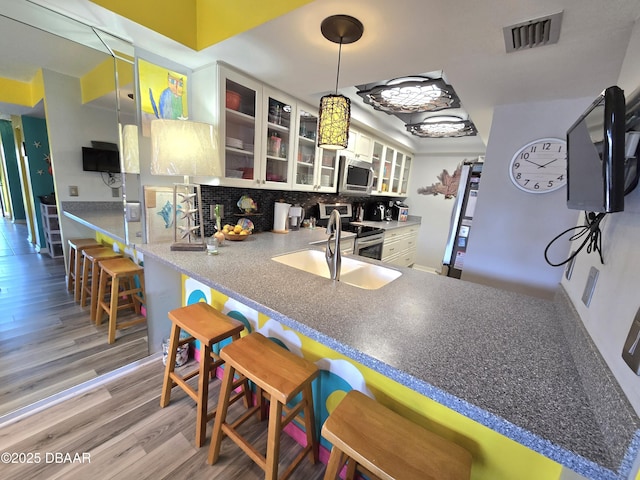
(434, 210)
(616, 298)
(511, 228)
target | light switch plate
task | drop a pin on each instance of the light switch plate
(132, 212)
(590, 286)
(631, 350)
(73, 191)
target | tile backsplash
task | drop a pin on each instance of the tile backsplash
(263, 218)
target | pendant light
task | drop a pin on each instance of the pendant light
(335, 110)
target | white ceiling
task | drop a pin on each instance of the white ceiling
(464, 39)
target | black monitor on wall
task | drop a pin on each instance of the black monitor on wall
(100, 160)
(596, 155)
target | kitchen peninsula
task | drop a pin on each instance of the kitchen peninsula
(510, 370)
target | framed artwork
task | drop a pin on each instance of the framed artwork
(163, 94)
(159, 214)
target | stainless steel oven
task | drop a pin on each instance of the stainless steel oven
(370, 246)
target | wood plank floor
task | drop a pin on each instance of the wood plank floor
(121, 432)
(47, 342)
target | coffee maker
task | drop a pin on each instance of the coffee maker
(377, 212)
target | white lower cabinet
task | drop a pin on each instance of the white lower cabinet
(400, 246)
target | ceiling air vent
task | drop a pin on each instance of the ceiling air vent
(533, 33)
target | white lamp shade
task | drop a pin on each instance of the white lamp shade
(130, 149)
(180, 147)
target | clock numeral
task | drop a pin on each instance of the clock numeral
(550, 184)
(533, 149)
(518, 176)
(516, 165)
(536, 186)
(524, 155)
(561, 177)
(546, 146)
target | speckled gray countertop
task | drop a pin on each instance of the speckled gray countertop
(104, 217)
(500, 358)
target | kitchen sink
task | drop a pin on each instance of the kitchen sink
(353, 272)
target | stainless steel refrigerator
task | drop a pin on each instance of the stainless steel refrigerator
(462, 220)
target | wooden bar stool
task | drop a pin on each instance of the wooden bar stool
(91, 275)
(117, 273)
(279, 376)
(209, 326)
(381, 442)
(76, 246)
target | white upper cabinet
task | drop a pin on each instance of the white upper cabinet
(270, 140)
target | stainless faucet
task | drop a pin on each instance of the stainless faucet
(334, 257)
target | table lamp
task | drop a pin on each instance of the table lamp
(181, 147)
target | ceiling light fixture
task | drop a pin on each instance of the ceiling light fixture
(411, 95)
(335, 110)
(443, 126)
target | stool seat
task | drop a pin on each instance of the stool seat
(121, 274)
(209, 326)
(279, 376)
(388, 445)
(91, 275)
(74, 279)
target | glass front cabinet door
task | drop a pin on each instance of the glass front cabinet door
(306, 163)
(278, 140)
(406, 171)
(240, 110)
(397, 173)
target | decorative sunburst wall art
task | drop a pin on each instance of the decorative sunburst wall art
(447, 184)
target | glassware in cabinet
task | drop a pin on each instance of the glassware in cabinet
(328, 170)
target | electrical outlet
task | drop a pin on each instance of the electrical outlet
(590, 286)
(115, 192)
(73, 191)
(132, 212)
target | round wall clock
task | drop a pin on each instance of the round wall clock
(540, 166)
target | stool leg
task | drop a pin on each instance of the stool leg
(351, 469)
(85, 281)
(203, 395)
(171, 364)
(113, 313)
(336, 459)
(71, 280)
(273, 440)
(95, 275)
(139, 298)
(77, 276)
(310, 423)
(102, 290)
(221, 414)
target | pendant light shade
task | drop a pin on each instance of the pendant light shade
(333, 126)
(335, 110)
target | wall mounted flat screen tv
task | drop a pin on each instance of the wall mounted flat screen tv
(595, 155)
(100, 160)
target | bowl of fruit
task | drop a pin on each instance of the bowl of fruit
(235, 233)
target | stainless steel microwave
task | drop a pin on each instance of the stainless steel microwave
(355, 177)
